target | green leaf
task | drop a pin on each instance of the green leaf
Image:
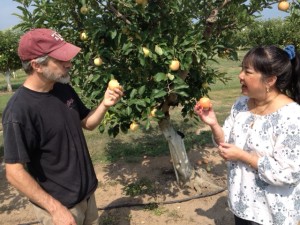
(182, 93)
(159, 93)
(113, 34)
(183, 86)
(141, 103)
(142, 90)
(142, 60)
(128, 111)
(148, 124)
(160, 76)
(158, 50)
(133, 93)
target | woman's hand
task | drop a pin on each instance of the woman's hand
(230, 152)
(234, 153)
(207, 116)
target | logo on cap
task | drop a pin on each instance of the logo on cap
(57, 36)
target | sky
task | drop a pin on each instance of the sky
(7, 20)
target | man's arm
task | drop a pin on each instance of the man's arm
(94, 118)
(18, 177)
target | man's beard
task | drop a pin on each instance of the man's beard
(61, 78)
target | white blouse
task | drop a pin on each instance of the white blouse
(271, 194)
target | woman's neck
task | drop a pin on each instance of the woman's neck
(267, 100)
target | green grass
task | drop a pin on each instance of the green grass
(16, 82)
(133, 146)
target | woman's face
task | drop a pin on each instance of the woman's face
(252, 83)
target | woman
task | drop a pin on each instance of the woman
(261, 139)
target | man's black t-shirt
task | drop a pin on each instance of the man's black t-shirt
(44, 131)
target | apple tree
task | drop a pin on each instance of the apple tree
(159, 51)
(9, 60)
(292, 34)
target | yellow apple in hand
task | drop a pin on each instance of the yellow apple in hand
(205, 103)
(98, 61)
(174, 65)
(112, 84)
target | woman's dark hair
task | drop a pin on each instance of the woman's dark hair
(274, 61)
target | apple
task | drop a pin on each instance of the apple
(283, 5)
(98, 61)
(112, 84)
(134, 126)
(204, 103)
(141, 2)
(174, 65)
(205, 85)
(83, 36)
(146, 51)
(170, 76)
(84, 10)
(125, 30)
(153, 112)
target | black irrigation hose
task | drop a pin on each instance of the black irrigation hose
(150, 203)
(162, 203)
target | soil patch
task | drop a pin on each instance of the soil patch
(159, 201)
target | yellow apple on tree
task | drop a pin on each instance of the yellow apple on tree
(134, 126)
(98, 61)
(83, 36)
(205, 85)
(283, 5)
(170, 76)
(153, 112)
(174, 65)
(84, 10)
(141, 2)
(146, 51)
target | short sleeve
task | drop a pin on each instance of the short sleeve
(15, 143)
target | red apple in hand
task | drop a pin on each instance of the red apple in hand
(204, 103)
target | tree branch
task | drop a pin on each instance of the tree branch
(117, 13)
(212, 18)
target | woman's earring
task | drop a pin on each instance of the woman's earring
(268, 89)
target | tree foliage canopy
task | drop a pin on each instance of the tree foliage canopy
(8, 50)
(193, 32)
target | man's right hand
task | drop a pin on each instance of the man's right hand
(18, 177)
(62, 216)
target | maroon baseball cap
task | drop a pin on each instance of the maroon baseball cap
(41, 41)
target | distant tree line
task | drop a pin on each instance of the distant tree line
(280, 31)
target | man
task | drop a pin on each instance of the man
(45, 152)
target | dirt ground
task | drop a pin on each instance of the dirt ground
(175, 205)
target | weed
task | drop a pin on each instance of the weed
(175, 214)
(156, 209)
(140, 187)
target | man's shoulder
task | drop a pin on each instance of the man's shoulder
(59, 86)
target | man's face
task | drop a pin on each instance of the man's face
(57, 71)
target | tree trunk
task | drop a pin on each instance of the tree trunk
(7, 78)
(186, 174)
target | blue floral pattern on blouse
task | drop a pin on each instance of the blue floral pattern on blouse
(271, 194)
